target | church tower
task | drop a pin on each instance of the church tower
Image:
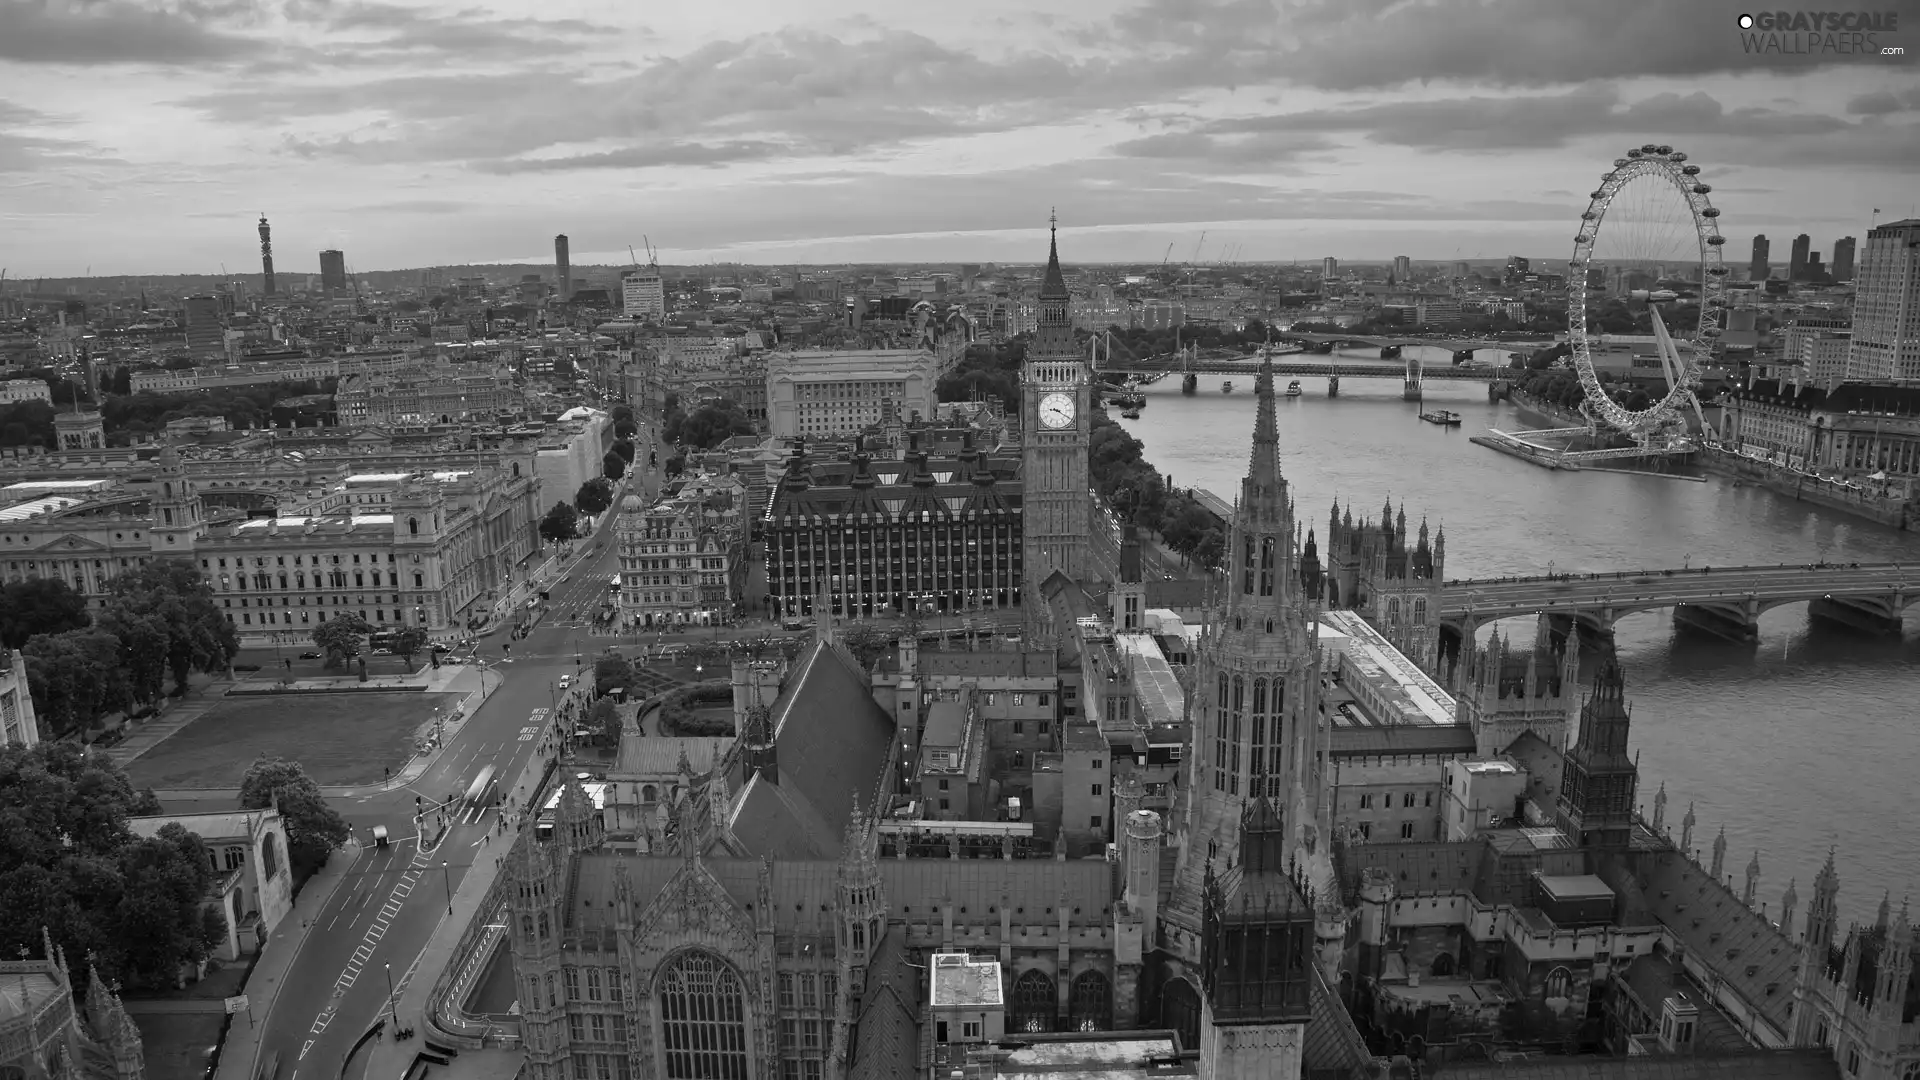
(1255, 699)
(1056, 401)
(1598, 786)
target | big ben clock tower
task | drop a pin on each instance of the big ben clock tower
(1056, 398)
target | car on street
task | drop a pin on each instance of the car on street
(309, 656)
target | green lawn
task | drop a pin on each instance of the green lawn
(339, 738)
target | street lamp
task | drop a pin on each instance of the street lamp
(446, 876)
(393, 1010)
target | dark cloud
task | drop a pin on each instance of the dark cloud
(1534, 121)
(1274, 150)
(1883, 102)
(107, 32)
(1370, 44)
(812, 93)
(1114, 193)
(647, 157)
(24, 151)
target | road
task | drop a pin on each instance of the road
(380, 920)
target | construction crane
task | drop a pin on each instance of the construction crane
(1164, 259)
(632, 258)
(1196, 248)
(653, 261)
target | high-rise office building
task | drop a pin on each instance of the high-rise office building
(643, 295)
(1462, 270)
(562, 267)
(1758, 269)
(206, 336)
(333, 271)
(1402, 268)
(1329, 267)
(1517, 267)
(1797, 268)
(1843, 259)
(1886, 307)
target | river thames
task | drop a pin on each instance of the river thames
(1809, 739)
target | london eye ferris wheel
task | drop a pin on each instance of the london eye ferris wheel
(1649, 240)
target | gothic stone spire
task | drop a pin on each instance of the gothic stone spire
(1054, 286)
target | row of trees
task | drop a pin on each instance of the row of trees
(158, 620)
(708, 425)
(1128, 482)
(30, 423)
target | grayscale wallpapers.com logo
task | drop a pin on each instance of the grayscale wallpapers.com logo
(1819, 33)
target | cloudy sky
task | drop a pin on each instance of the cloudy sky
(145, 136)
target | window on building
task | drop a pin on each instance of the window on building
(1406, 830)
(809, 997)
(1096, 790)
(1366, 802)
(703, 1019)
(1366, 830)
(1095, 823)
(577, 1027)
(1407, 799)
(786, 990)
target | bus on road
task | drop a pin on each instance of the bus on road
(481, 792)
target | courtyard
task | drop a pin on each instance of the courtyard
(346, 738)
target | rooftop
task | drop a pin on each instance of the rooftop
(1410, 695)
(961, 982)
(1162, 701)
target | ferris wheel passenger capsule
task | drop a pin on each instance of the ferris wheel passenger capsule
(1716, 241)
(1619, 162)
(1691, 170)
(1710, 212)
(1650, 148)
(1634, 153)
(1702, 189)
(1663, 149)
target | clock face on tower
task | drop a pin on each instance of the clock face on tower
(1056, 411)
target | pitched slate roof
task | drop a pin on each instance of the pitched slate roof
(831, 743)
(1752, 957)
(887, 1037)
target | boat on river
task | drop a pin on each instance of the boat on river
(1442, 417)
(1226, 386)
(1293, 389)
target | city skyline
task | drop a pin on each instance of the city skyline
(141, 140)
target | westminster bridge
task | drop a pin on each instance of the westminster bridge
(1723, 600)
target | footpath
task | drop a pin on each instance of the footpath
(241, 1048)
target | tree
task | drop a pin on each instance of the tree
(675, 465)
(314, 829)
(69, 862)
(75, 679)
(39, 606)
(611, 670)
(714, 423)
(339, 638)
(622, 414)
(624, 448)
(604, 722)
(172, 594)
(409, 641)
(867, 643)
(561, 523)
(625, 429)
(613, 465)
(594, 496)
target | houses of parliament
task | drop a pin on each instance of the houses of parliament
(1287, 830)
